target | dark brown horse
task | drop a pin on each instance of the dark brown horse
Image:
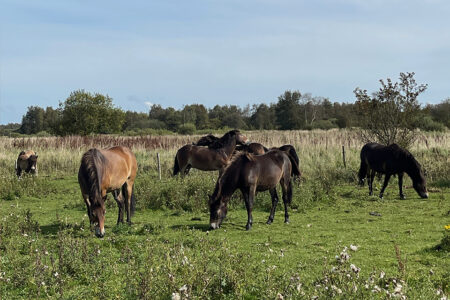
(252, 173)
(107, 170)
(390, 160)
(215, 157)
(26, 161)
(253, 148)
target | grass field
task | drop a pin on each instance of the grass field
(47, 249)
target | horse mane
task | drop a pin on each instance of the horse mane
(92, 170)
(413, 166)
(224, 140)
(206, 140)
(229, 178)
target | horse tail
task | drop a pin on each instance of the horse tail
(362, 171)
(295, 167)
(176, 167)
(294, 155)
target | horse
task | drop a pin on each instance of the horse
(390, 160)
(215, 157)
(26, 161)
(103, 171)
(251, 173)
(254, 148)
(206, 140)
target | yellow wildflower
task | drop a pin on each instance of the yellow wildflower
(447, 227)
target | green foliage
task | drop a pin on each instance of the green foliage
(389, 115)
(187, 128)
(84, 113)
(287, 110)
(428, 124)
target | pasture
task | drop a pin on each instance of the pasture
(47, 249)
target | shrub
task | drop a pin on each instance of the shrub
(187, 128)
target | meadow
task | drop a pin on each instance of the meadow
(340, 242)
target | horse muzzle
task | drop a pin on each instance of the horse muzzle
(214, 225)
(99, 233)
(424, 195)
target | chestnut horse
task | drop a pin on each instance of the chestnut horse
(215, 157)
(252, 173)
(103, 171)
(390, 160)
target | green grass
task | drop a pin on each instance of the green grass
(53, 253)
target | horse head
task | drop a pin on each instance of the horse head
(32, 163)
(218, 211)
(97, 217)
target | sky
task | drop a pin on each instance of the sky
(175, 53)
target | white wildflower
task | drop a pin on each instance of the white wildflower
(176, 296)
(183, 289)
(355, 269)
(279, 297)
(56, 274)
(376, 289)
(382, 274)
(353, 247)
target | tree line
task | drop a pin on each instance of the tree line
(84, 113)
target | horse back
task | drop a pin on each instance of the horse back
(384, 159)
(120, 165)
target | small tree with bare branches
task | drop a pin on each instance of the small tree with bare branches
(389, 115)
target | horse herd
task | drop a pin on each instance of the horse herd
(249, 167)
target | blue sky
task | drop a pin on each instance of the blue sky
(216, 52)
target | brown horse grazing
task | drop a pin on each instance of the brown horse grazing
(27, 161)
(252, 173)
(390, 160)
(107, 170)
(215, 157)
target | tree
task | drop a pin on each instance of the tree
(33, 120)
(388, 115)
(84, 113)
(263, 117)
(287, 110)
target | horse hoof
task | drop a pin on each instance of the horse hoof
(286, 221)
(402, 197)
(269, 222)
(248, 227)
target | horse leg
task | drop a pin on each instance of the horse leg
(386, 180)
(120, 204)
(286, 189)
(371, 178)
(249, 205)
(127, 191)
(400, 185)
(274, 195)
(19, 172)
(187, 169)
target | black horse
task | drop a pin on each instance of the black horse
(251, 173)
(390, 160)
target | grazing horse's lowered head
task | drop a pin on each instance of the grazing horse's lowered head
(27, 161)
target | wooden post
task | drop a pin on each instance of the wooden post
(159, 165)
(343, 156)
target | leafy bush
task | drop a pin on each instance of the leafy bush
(187, 128)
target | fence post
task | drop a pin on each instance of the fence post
(159, 165)
(343, 156)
